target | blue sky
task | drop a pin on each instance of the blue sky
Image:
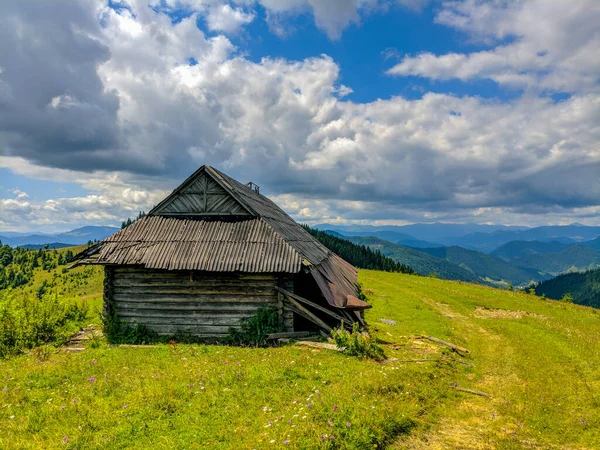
(347, 111)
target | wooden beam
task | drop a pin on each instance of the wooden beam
(309, 303)
(306, 313)
(290, 334)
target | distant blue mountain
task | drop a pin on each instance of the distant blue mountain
(74, 237)
(430, 232)
(488, 242)
(484, 238)
(391, 236)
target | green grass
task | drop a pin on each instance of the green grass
(538, 359)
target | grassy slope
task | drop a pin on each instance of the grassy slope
(543, 370)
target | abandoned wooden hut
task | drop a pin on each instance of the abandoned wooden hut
(215, 251)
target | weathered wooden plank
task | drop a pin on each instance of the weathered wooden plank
(306, 313)
(234, 299)
(290, 334)
(205, 330)
(309, 303)
(185, 281)
(210, 314)
(159, 290)
(199, 322)
(190, 306)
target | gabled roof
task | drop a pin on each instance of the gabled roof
(246, 200)
(212, 222)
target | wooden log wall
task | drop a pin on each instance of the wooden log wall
(199, 303)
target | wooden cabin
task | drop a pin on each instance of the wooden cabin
(215, 251)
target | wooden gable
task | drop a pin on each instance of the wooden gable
(200, 195)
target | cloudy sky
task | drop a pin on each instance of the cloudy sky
(371, 111)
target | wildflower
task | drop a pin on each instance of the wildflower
(94, 362)
(62, 407)
(124, 406)
(348, 424)
(92, 379)
(286, 442)
(330, 421)
(290, 422)
(65, 439)
(5, 389)
(335, 407)
(74, 400)
(332, 437)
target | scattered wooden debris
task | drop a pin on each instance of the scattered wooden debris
(388, 321)
(73, 349)
(454, 347)
(402, 361)
(290, 334)
(77, 342)
(323, 345)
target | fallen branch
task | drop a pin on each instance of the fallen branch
(471, 391)
(454, 347)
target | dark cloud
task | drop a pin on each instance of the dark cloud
(54, 108)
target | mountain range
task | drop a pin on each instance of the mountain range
(482, 255)
(74, 237)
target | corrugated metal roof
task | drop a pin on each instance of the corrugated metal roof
(174, 243)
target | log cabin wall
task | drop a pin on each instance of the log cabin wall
(198, 303)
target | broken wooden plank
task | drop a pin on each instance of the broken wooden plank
(454, 347)
(290, 334)
(472, 391)
(309, 303)
(306, 313)
(322, 345)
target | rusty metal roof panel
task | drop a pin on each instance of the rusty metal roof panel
(179, 243)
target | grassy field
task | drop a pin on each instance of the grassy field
(538, 359)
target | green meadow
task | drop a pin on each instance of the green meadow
(537, 361)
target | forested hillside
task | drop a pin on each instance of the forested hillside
(584, 287)
(359, 256)
(520, 249)
(485, 266)
(575, 258)
(421, 262)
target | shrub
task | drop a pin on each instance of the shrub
(27, 322)
(120, 332)
(567, 298)
(357, 343)
(254, 330)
